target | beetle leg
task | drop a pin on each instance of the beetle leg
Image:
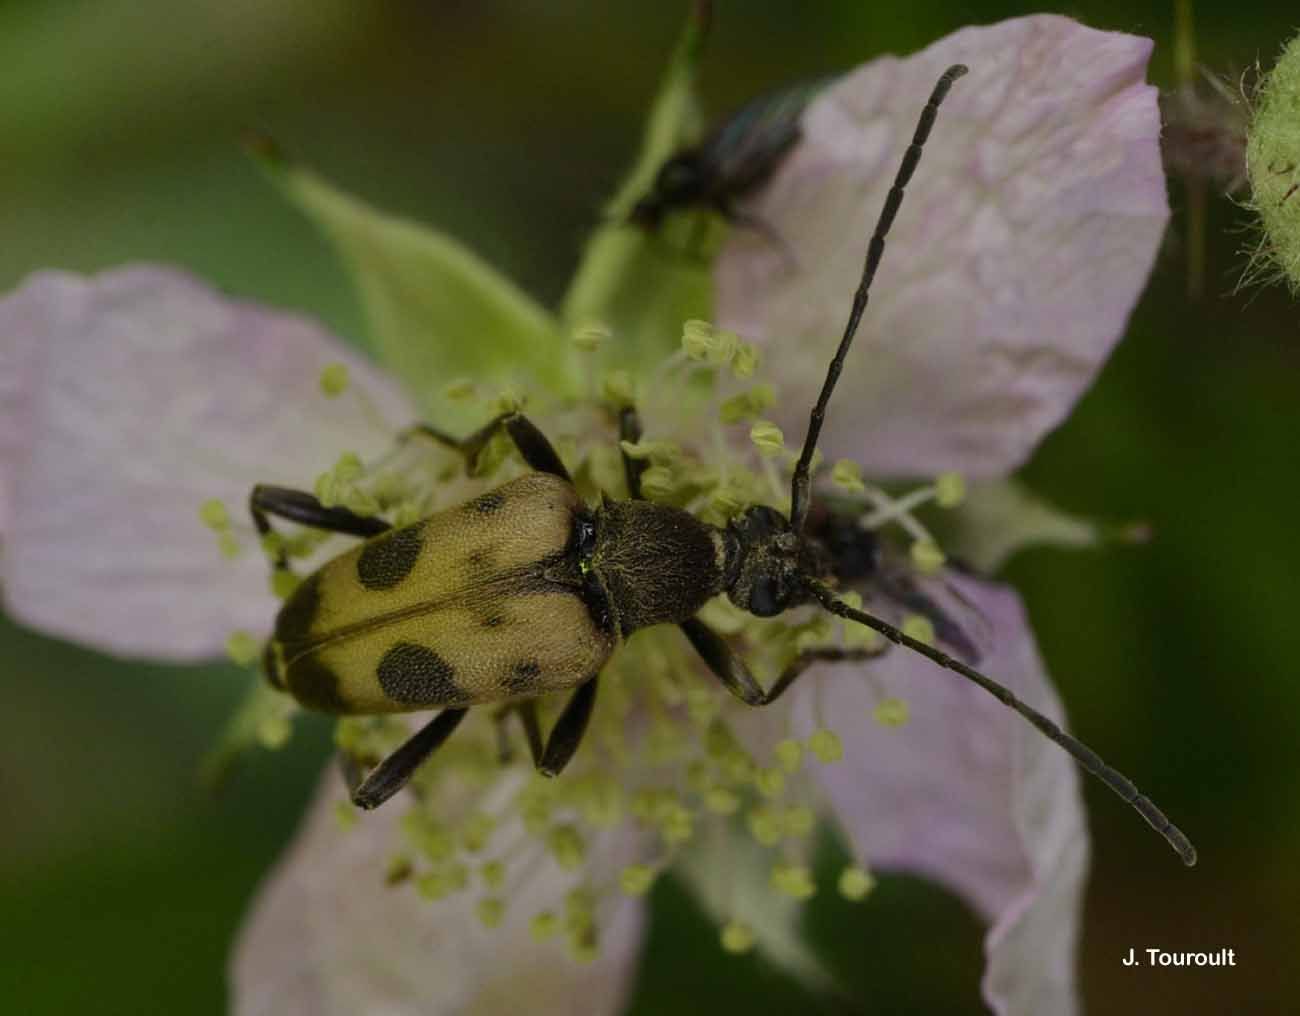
(530, 441)
(299, 506)
(567, 733)
(629, 430)
(392, 774)
(731, 670)
(527, 711)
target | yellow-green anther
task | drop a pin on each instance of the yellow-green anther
(242, 647)
(567, 846)
(764, 825)
(476, 831)
(509, 400)
(919, 627)
(493, 874)
(826, 745)
(544, 926)
(746, 361)
(491, 910)
(657, 482)
(460, 390)
(707, 344)
(273, 732)
(853, 598)
(847, 475)
(770, 782)
(747, 405)
(677, 826)
(891, 712)
(617, 389)
(359, 502)
(348, 468)
(697, 776)
(736, 408)
(927, 556)
(334, 379)
(345, 814)
(636, 879)
(229, 546)
(798, 820)
(442, 882)
(949, 490)
(721, 801)
(659, 451)
(767, 437)
(737, 938)
(789, 754)
(213, 514)
(591, 336)
(859, 636)
(283, 583)
(855, 883)
(793, 880)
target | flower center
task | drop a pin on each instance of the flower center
(670, 757)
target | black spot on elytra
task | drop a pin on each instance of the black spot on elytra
(315, 685)
(416, 675)
(487, 504)
(493, 621)
(523, 676)
(388, 559)
(293, 623)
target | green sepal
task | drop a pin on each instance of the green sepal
(641, 284)
(436, 312)
(999, 518)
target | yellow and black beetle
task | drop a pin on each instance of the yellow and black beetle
(525, 591)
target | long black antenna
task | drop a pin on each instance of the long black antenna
(1084, 755)
(800, 485)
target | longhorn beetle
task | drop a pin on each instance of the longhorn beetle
(525, 591)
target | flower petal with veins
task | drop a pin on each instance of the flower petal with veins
(128, 400)
(969, 794)
(1024, 242)
(326, 936)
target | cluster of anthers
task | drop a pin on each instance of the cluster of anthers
(663, 752)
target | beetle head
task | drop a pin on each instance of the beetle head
(772, 562)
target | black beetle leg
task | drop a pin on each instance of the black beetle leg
(730, 669)
(531, 442)
(393, 773)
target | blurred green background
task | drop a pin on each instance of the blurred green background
(506, 123)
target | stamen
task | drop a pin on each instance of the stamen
(856, 883)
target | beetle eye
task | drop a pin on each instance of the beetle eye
(764, 597)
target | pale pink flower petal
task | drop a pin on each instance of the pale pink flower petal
(969, 794)
(127, 400)
(326, 937)
(1025, 239)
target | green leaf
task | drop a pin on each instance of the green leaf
(999, 518)
(641, 284)
(731, 876)
(437, 312)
